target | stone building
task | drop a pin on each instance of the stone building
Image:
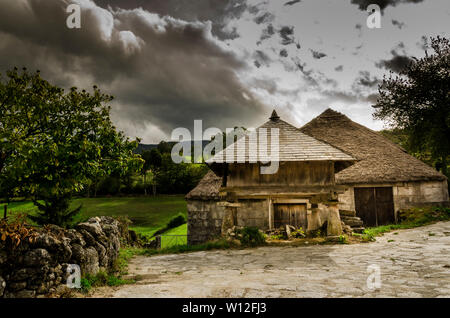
(302, 192)
(385, 178)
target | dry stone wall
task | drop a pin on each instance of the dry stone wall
(40, 267)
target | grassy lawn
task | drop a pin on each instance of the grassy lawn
(167, 241)
(147, 213)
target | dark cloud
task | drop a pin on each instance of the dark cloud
(423, 44)
(156, 67)
(264, 18)
(363, 4)
(365, 81)
(307, 74)
(267, 32)
(261, 58)
(398, 24)
(317, 55)
(290, 3)
(287, 35)
(283, 53)
(397, 63)
(339, 68)
(216, 11)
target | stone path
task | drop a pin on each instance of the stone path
(413, 263)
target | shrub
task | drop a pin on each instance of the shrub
(251, 236)
(299, 233)
(343, 239)
(176, 221)
(16, 231)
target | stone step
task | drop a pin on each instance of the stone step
(358, 229)
(352, 221)
(346, 213)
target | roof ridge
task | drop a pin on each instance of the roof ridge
(294, 145)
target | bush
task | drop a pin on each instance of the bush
(299, 233)
(343, 239)
(176, 221)
(251, 236)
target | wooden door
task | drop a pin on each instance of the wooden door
(375, 205)
(385, 205)
(291, 214)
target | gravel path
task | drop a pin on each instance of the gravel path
(412, 263)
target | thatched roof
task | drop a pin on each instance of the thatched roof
(293, 145)
(207, 188)
(380, 160)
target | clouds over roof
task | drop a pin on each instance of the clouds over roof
(163, 71)
(229, 63)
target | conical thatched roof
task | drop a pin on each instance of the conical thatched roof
(207, 188)
(380, 160)
(293, 145)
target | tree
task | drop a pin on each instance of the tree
(152, 161)
(53, 142)
(173, 178)
(417, 101)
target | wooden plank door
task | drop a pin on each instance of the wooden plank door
(365, 205)
(385, 205)
(375, 205)
(291, 214)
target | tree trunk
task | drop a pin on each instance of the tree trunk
(145, 183)
(5, 211)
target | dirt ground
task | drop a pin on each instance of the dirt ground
(411, 263)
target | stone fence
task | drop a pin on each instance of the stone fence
(40, 267)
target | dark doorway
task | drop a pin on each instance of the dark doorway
(292, 214)
(375, 206)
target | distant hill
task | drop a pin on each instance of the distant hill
(147, 147)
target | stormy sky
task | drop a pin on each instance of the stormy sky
(229, 63)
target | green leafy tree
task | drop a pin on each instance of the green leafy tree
(417, 101)
(152, 161)
(178, 178)
(53, 142)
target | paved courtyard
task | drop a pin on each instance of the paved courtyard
(412, 263)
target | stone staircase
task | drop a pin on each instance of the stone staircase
(350, 219)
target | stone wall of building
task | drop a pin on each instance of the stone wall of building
(205, 217)
(40, 267)
(204, 221)
(406, 194)
(253, 213)
(411, 194)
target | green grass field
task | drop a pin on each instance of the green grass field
(148, 214)
(168, 240)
